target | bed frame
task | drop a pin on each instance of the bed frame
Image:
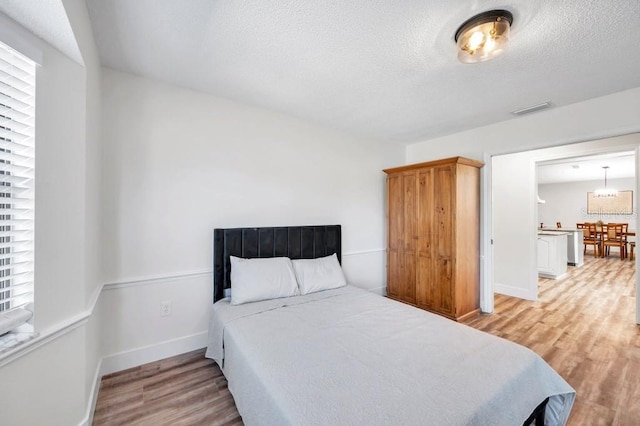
(295, 242)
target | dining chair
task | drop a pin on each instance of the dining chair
(625, 229)
(615, 237)
(625, 237)
(590, 237)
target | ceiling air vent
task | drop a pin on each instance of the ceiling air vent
(532, 108)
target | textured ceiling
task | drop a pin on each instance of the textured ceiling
(48, 20)
(383, 69)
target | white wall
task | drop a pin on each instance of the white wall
(515, 271)
(567, 202)
(50, 382)
(179, 163)
(46, 386)
(92, 102)
(610, 115)
(60, 190)
(91, 233)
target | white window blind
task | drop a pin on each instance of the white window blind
(17, 149)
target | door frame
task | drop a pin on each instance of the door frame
(588, 147)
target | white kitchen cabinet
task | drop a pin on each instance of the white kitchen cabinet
(575, 251)
(552, 254)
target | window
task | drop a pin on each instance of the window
(17, 150)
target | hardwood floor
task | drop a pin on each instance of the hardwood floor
(184, 390)
(583, 325)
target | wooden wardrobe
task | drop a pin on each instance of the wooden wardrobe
(433, 236)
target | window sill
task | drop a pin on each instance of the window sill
(13, 339)
(13, 347)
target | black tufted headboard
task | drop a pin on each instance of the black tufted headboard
(295, 242)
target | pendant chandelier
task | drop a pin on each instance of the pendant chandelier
(605, 192)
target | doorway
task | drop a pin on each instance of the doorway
(510, 246)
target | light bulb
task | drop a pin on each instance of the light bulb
(476, 40)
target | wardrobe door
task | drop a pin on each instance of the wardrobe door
(425, 282)
(410, 236)
(401, 268)
(443, 241)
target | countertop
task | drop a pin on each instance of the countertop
(552, 233)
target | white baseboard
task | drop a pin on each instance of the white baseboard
(135, 357)
(93, 397)
(553, 277)
(519, 292)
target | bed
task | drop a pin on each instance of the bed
(345, 356)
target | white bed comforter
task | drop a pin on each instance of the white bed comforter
(350, 357)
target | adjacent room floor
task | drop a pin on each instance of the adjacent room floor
(583, 325)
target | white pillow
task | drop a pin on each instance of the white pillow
(319, 274)
(260, 279)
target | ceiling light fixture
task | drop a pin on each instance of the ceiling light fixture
(483, 36)
(605, 192)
